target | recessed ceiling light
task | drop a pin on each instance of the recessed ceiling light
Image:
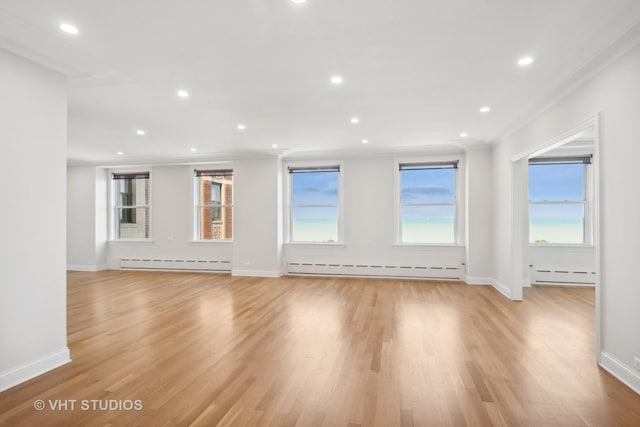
(119, 153)
(241, 127)
(365, 141)
(337, 80)
(183, 93)
(463, 135)
(485, 109)
(299, 1)
(525, 60)
(355, 120)
(141, 132)
(192, 149)
(274, 145)
(69, 28)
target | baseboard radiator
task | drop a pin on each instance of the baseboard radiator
(550, 275)
(378, 270)
(175, 264)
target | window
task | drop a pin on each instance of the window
(558, 200)
(427, 203)
(131, 208)
(213, 204)
(314, 204)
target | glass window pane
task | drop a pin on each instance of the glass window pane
(556, 182)
(132, 192)
(214, 190)
(556, 223)
(133, 223)
(215, 223)
(428, 186)
(314, 188)
(314, 224)
(428, 224)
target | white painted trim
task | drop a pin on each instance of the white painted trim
(500, 287)
(256, 273)
(479, 280)
(526, 283)
(87, 267)
(33, 368)
(624, 373)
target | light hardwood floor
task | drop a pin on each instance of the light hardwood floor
(204, 349)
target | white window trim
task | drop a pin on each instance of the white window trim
(287, 200)
(459, 198)
(588, 213)
(193, 238)
(112, 205)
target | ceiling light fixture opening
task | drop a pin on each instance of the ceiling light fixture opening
(69, 28)
(241, 127)
(355, 120)
(141, 132)
(183, 93)
(525, 61)
(337, 80)
(485, 109)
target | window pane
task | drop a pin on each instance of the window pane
(556, 182)
(428, 224)
(215, 223)
(133, 223)
(215, 190)
(428, 186)
(556, 223)
(132, 192)
(314, 188)
(315, 224)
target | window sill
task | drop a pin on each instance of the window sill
(560, 245)
(127, 241)
(427, 245)
(338, 244)
(210, 242)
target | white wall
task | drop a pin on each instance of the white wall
(614, 94)
(33, 107)
(171, 221)
(369, 232)
(479, 216)
(257, 217)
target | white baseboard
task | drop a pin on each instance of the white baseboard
(469, 280)
(500, 287)
(26, 371)
(86, 267)
(256, 273)
(621, 371)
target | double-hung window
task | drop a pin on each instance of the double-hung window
(131, 208)
(559, 208)
(427, 202)
(314, 204)
(213, 204)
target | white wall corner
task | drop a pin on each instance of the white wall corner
(256, 273)
(624, 373)
(526, 283)
(479, 281)
(34, 368)
(86, 267)
(500, 287)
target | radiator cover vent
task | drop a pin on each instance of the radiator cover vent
(175, 264)
(380, 270)
(550, 275)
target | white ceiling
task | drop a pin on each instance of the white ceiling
(416, 71)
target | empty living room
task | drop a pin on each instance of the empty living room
(320, 213)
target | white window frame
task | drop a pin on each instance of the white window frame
(113, 204)
(587, 209)
(196, 206)
(288, 209)
(458, 204)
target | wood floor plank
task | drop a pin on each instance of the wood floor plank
(208, 349)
